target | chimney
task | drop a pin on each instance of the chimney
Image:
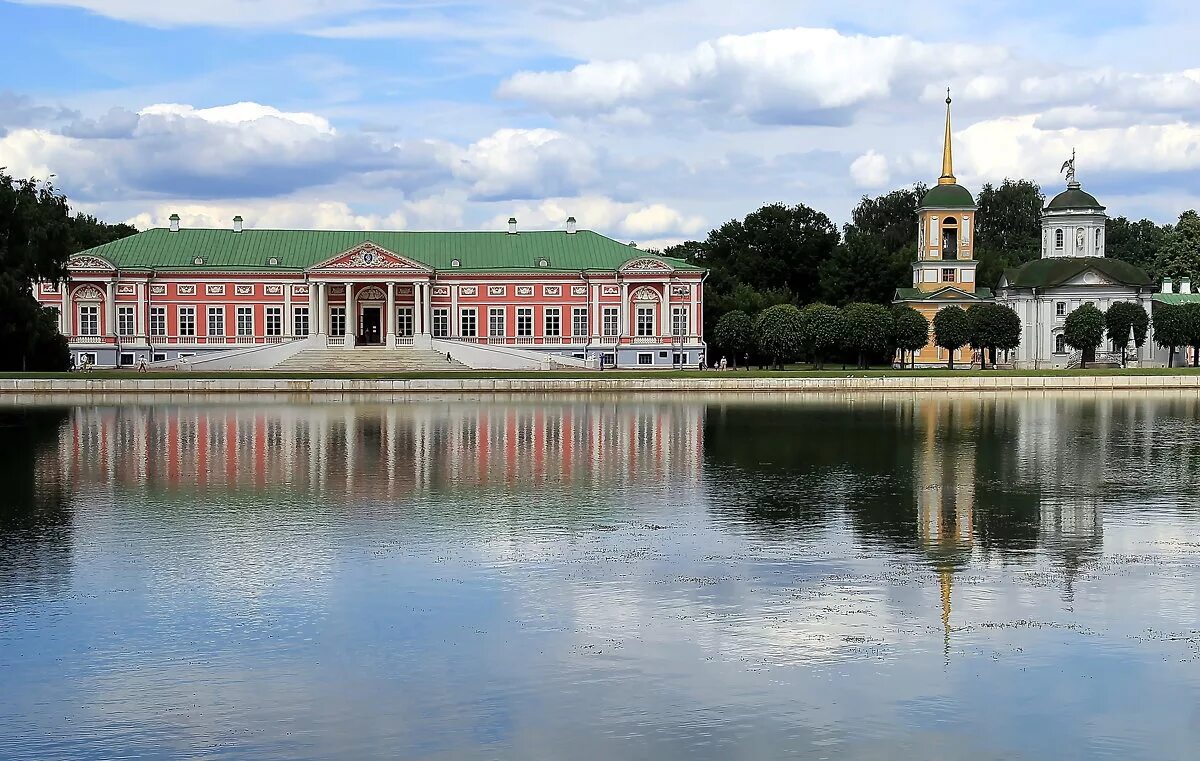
(1185, 285)
(512, 225)
(570, 225)
(1168, 286)
(174, 223)
(237, 224)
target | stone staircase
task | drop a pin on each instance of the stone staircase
(368, 359)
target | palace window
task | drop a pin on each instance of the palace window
(608, 360)
(467, 323)
(579, 321)
(679, 321)
(127, 359)
(645, 358)
(441, 323)
(645, 322)
(300, 323)
(245, 321)
(553, 322)
(1060, 309)
(404, 320)
(337, 321)
(125, 325)
(158, 321)
(89, 321)
(948, 275)
(612, 321)
(496, 322)
(187, 321)
(216, 321)
(1060, 344)
(274, 316)
(524, 322)
(1059, 239)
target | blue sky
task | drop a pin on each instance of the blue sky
(651, 120)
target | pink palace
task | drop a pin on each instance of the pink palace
(258, 299)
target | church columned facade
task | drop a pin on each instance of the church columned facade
(182, 295)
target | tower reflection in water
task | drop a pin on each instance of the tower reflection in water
(378, 452)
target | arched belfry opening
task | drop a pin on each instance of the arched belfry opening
(950, 238)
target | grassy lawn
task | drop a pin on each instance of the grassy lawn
(791, 372)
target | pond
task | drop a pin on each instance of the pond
(947, 576)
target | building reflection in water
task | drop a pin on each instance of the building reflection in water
(377, 452)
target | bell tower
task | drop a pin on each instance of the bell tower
(946, 232)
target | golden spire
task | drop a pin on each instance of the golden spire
(946, 581)
(947, 177)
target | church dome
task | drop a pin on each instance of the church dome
(949, 196)
(1074, 198)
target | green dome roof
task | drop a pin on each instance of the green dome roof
(1052, 271)
(948, 197)
(1074, 198)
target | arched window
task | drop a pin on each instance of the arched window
(1099, 243)
(950, 238)
(1059, 239)
(1060, 344)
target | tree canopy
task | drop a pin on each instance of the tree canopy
(822, 329)
(1170, 330)
(778, 332)
(868, 331)
(1120, 317)
(1179, 255)
(1008, 227)
(910, 330)
(1084, 330)
(734, 333)
(993, 326)
(951, 330)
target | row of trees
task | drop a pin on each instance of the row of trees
(864, 332)
(38, 234)
(796, 255)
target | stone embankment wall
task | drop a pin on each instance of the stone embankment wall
(666, 384)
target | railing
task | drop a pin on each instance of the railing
(335, 341)
(404, 341)
(647, 340)
(525, 340)
(88, 340)
(497, 340)
(245, 339)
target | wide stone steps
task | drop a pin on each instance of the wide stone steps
(368, 359)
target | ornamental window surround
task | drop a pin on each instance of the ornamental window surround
(274, 317)
(158, 321)
(441, 323)
(187, 321)
(300, 321)
(89, 321)
(496, 322)
(245, 321)
(612, 321)
(216, 321)
(524, 322)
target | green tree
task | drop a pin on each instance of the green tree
(1135, 242)
(951, 330)
(1179, 256)
(822, 330)
(868, 331)
(1189, 317)
(1008, 227)
(778, 332)
(910, 329)
(993, 326)
(890, 219)
(1122, 316)
(734, 333)
(1170, 332)
(862, 270)
(1084, 330)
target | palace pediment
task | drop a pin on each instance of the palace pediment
(646, 264)
(89, 263)
(369, 257)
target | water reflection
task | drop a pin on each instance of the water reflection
(863, 577)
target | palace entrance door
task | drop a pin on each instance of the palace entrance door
(372, 328)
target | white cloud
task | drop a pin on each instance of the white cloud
(526, 163)
(300, 213)
(623, 219)
(870, 170)
(234, 13)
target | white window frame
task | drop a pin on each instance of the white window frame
(337, 321)
(496, 326)
(552, 322)
(579, 321)
(89, 320)
(468, 322)
(274, 321)
(404, 321)
(441, 322)
(948, 275)
(126, 321)
(524, 322)
(132, 359)
(300, 321)
(158, 321)
(1060, 309)
(186, 319)
(612, 322)
(646, 318)
(216, 318)
(679, 320)
(245, 320)
(648, 356)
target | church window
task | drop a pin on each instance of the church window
(1059, 239)
(1060, 344)
(948, 275)
(1060, 309)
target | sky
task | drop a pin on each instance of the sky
(651, 121)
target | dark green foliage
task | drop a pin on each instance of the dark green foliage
(868, 331)
(778, 332)
(1189, 317)
(1170, 332)
(734, 333)
(1120, 317)
(1084, 330)
(862, 270)
(1008, 228)
(993, 326)
(951, 330)
(1135, 242)
(1179, 255)
(910, 330)
(822, 329)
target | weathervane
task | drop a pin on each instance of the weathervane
(1069, 167)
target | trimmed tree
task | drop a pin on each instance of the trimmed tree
(778, 332)
(1122, 316)
(1084, 330)
(910, 331)
(951, 330)
(993, 326)
(1190, 317)
(1169, 330)
(734, 333)
(868, 330)
(822, 330)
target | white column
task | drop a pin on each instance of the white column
(427, 316)
(664, 319)
(68, 319)
(693, 318)
(597, 312)
(624, 313)
(288, 322)
(139, 327)
(110, 308)
(351, 316)
(322, 314)
(454, 319)
(390, 334)
(418, 308)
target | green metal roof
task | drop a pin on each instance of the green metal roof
(1074, 197)
(1177, 298)
(914, 294)
(948, 197)
(297, 250)
(1045, 273)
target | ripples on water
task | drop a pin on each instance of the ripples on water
(589, 578)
